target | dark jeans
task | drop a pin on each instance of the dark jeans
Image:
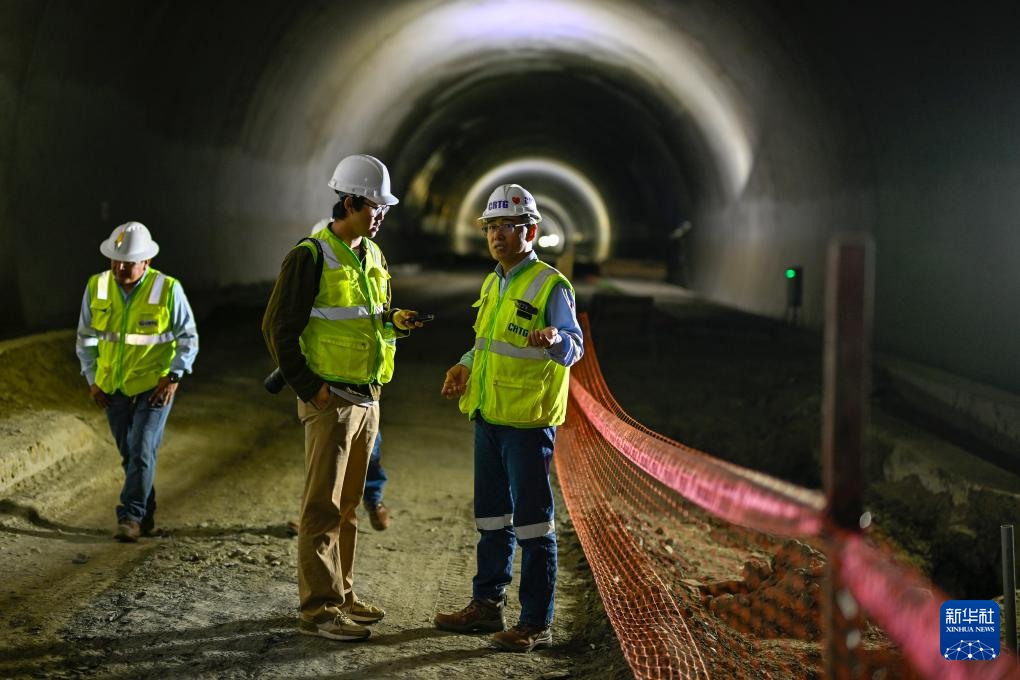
(514, 504)
(376, 475)
(137, 429)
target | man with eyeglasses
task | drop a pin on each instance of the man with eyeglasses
(330, 328)
(136, 340)
(513, 383)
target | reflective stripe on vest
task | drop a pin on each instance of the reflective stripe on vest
(508, 350)
(135, 339)
(103, 285)
(157, 290)
(345, 313)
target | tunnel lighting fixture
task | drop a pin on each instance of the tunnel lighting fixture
(549, 241)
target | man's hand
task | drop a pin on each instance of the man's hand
(99, 396)
(547, 337)
(404, 319)
(164, 391)
(322, 397)
(456, 381)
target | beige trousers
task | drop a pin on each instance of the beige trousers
(338, 442)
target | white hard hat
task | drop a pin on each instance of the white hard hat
(511, 200)
(130, 242)
(363, 175)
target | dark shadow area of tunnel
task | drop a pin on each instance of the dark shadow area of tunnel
(92, 652)
(414, 662)
(46, 528)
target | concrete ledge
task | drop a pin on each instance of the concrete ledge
(989, 414)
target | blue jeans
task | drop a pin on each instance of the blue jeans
(514, 504)
(137, 428)
(376, 475)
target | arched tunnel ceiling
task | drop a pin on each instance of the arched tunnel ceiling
(767, 125)
(600, 128)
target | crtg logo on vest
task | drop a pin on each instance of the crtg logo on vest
(514, 328)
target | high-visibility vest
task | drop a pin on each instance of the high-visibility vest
(345, 339)
(511, 383)
(135, 340)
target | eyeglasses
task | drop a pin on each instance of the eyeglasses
(376, 208)
(505, 227)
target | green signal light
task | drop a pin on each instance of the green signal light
(791, 273)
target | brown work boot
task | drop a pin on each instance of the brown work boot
(128, 532)
(480, 616)
(378, 515)
(523, 637)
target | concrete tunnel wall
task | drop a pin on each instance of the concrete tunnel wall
(767, 125)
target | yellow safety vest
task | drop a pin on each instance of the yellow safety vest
(345, 339)
(511, 383)
(136, 343)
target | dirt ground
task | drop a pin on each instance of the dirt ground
(214, 595)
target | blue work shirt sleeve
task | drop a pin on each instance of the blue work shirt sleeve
(560, 313)
(182, 325)
(86, 344)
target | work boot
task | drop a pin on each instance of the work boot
(523, 637)
(378, 515)
(293, 527)
(148, 525)
(128, 531)
(362, 612)
(340, 627)
(480, 616)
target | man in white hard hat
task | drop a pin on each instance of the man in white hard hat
(136, 340)
(331, 330)
(513, 383)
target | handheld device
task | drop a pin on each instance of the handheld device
(423, 318)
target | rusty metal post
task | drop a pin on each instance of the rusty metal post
(847, 366)
(1009, 586)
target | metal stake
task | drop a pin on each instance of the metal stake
(1009, 585)
(847, 366)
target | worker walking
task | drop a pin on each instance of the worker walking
(513, 383)
(136, 340)
(330, 328)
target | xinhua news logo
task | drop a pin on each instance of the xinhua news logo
(969, 630)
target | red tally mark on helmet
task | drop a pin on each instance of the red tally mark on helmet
(515, 199)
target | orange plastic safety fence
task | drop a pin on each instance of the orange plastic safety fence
(685, 550)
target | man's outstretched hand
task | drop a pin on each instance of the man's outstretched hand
(456, 381)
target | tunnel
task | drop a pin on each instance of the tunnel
(704, 148)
